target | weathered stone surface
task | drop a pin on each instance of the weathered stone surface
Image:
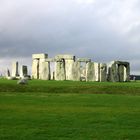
(40, 56)
(50, 60)
(22, 82)
(76, 75)
(23, 71)
(113, 72)
(119, 71)
(45, 71)
(65, 57)
(92, 71)
(35, 69)
(60, 73)
(69, 69)
(97, 71)
(83, 60)
(103, 72)
(15, 69)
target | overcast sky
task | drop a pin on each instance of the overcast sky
(103, 30)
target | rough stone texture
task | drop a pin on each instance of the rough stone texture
(35, 69)
(15, 69)
(83, 60)
(90, 71)
(113, 72)
(45, 71)
(103, 72)
(65, 57)
(60, 73)
(119, 71)
(69, 69)
(97, 71)
(40, 56)
(22, 82)
(37, 65)
(76, 75)
(41, 67)
(23, 71)
(50, 60)
(127, 76)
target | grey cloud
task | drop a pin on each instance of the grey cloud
(61, 26)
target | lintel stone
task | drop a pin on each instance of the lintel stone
(40, 56)
(65, 56)
(83, 60)
(50, 60)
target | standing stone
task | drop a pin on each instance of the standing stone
(113, 72)
(90, 71)
(69, 60)
(76, 75)
(37, 60)
(121, 73)
(35, 69)
(97, 71)
(15, 69)
(103, 72)
(45, 71)
(127, 72)
(60, 69)
(8, 73)
(69, 69)
(23, 71)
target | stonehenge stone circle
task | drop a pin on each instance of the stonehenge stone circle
(67, 67)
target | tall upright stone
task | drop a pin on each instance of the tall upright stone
(23, 71)
(15, 69)
(8, 73)
(76, 75)
(69, 60)
(37, 60)
(127, 72)
(45, 71)
(113, 72)
(97, 71)
(92, 71)
(103, 72)
(119, 71)
(35, 69)
(60, 73)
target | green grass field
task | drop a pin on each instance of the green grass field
(50, 110)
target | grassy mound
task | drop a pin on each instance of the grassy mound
(132, 88)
